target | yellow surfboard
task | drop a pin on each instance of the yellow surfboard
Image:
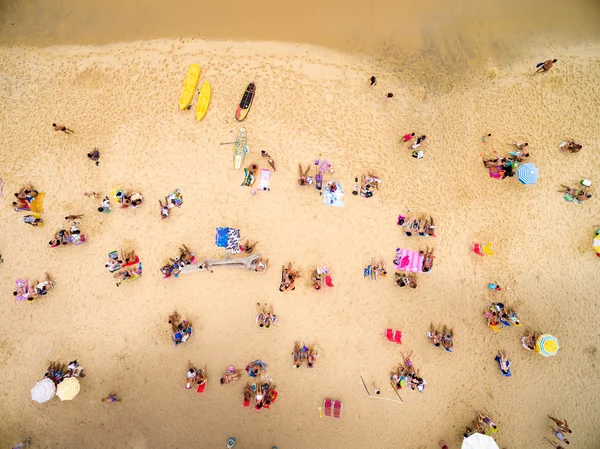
(189, 86)
(203, 101)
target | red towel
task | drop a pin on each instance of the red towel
(201, 388)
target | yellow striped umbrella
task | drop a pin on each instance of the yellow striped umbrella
(68, 389)
(547, 345)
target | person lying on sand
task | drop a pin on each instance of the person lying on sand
(298, 355)
(402, 280)
(40, 288)
(129, 257)
(62, 128)
(311, 357)
(570, 146)
(486, 420)
(427, 259)
(191, 376)
(288, 278)
(32, 220)
(27, 193)
(247, 393)
(409, 224)
(448, 339)
(249, 246)
(562, 425)
(71, 218)
(545, 66)
(231, 376)
(271, 162)
(519, 145)
(504, 363)
(303, 178)
(164, 208)
(265, 316)
(261, 264)
(517, 156)
(558, 434)
(434, 336)
(111, 398)
(583, 196)
(554, 444)
(105, 207)
(569, 190)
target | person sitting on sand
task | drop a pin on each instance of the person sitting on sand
(288, 278)
(448, 339)
(434, 336)
(265, 317)
(128, 257)
(545, 66)
(32, 220)
(562, 425)
(402, 280)
(181, 331)
(409, 224)
(316, 280)
(528, 341)
(298, 355)
(427, 260)
(303, 178)
(94, 155)
(136, 200)
(571, 146)
(41, 288)
(503, 363)
(186, 255)
(232, 375)
(111, 398)
(582, 195)
(378, 266)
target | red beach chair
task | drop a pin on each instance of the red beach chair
(477, 249)
(393, 336)
(332, 408)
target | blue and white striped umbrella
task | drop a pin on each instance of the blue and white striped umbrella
(527, 173)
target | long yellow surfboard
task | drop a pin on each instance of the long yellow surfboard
(203, 101)
(189, 86)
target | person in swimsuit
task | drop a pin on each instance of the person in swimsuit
(373, 81)
(303, 178)
(434, 336)
(111, 398)
(62, 128)
(408, 137)
(504, 363)
(558, 434)
(484, 419)
(311, 357)
(408, 364)
(316, 280)
(249, 246)
(22, 444)
(231, 376)
(261, 265)
(571, 146)
(554, 444)
(448, 339)
(528, 341)
(545, 66)
(562, 425)
(298, 355)
(191, 376)
(94, 156)
(427, 259)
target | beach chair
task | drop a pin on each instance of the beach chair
(332, 408)
(328, 281)
(393, 336)
(477, 249)
(487, 249)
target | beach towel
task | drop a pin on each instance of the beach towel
(328, 281)
(228, 238)
(175, 198)
(22, 289)
(113, 264)
(333, 198)
(332, 408)
(408, 260)
(393, 336)
(201, 387)
(37, 205)
(248, 178)
(265, 177)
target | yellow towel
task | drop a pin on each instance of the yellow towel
(37, 205)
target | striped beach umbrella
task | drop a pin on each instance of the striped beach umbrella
(68, 389)
(597, 242)
(479, 441)
(527, 173)
(546, 345)
(43, 391)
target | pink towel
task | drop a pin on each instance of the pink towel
(20, 285)
(408, 260)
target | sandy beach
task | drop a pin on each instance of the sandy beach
(312, 102)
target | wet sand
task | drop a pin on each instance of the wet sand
(123, 99)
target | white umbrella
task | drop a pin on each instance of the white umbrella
(43, 391)
(479, 441)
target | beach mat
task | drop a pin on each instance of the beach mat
(37, 205)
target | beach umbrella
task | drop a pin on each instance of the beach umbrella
(479, 441)
(43, 391)
(527, 173)
(68, 389)
(546, 345)
(597, 242)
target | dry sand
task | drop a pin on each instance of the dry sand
(311, 103)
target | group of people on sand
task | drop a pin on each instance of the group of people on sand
(321, 167)
(407, 377)
(175, 265)
(57, 372)
(181, 330)
(503, 167)
(421, 225)
(303, 353)
(265, 317)
(125, 267)
(288, 278)
(570, 145)
(37, 289)
(264, 395)
(375, 269)
(71, 236)
(562, 427)
(414, 143)
(404, 279)
(498, 315)
(319, 276)
(25, 197)
(482, 424)
(195, 377)
(368, 183)
(126, 199)
(577, 195)
(443, 339)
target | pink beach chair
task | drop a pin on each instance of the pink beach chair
(393, 336)
(477, 249)
(332, 408)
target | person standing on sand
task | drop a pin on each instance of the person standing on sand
(373, 81)
(485, 138)
(62, 128)
(545, 66)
